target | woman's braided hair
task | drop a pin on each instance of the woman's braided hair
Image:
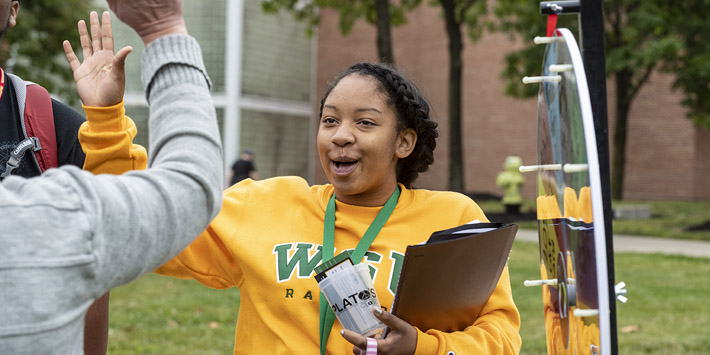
(412, 112)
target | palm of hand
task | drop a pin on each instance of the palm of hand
(97, 81)
(100, 79)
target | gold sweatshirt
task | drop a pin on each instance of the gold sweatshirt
(267, 240)
(107, 140)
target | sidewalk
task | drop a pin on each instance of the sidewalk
(634, 244)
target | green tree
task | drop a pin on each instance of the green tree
(457, 15)
(381, 13)
(33, 48)
(641, 36)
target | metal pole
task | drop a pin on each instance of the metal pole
(233, 82)
(592, 24)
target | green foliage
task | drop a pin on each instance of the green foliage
(473, 16)
(641, 35)
(348, 11)
(522, 19)
(34, 46)
(302, 11)
(692, 62)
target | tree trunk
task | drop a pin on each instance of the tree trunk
(384, 36)
(453, 29)
(623, 103)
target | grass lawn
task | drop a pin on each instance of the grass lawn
(160, 315)
(667, 301)
(669, 219)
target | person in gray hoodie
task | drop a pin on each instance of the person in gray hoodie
(68, 236)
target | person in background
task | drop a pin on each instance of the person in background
(243, 168)
(18, 98)
(83, 234)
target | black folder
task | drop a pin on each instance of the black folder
(445, 282)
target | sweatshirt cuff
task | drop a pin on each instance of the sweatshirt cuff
(178, 54)
(426, 344)
(105, 119)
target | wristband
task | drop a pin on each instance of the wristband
(371, 347)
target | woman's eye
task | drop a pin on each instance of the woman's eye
(367, 123)
(328, 120)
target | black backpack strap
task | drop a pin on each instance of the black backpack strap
(19, 152)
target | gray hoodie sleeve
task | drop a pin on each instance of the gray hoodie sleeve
(68, 236)
(155, 214)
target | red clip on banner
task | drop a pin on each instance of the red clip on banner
(551, 24)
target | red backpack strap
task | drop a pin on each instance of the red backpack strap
(39, 122)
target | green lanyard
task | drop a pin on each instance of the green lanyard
(327, 317)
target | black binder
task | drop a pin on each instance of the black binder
(445, 282)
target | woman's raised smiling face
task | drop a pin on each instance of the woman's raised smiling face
(359, 143)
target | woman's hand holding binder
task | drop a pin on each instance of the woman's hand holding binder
(401, 338)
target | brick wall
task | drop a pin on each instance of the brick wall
(660, 148)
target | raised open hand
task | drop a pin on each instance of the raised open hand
(101, 78)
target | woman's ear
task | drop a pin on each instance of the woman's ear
(406, 140)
